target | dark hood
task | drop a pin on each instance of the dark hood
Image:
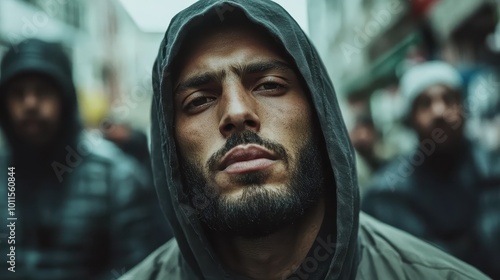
(187, 229)
(49, 59)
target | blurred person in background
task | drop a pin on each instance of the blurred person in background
(447, 190)
(83, 208)
(365, 137)
(134, 142)
(253, 163)
(131, 141)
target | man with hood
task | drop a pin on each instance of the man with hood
(448, 190)
(82, 208)
(253, 164)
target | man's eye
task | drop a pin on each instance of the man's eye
(43, 92)
(449, 99)
(424, 103)
(270, 86)
(200, 101)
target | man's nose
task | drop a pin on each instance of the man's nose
(238, 111)
(438, 108)
(30, 99)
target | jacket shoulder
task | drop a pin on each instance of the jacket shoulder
(395, 176)
(388, 253)
(164, 263)
(98, 148)
(97, 153)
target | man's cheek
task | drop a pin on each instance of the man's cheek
(14, 113)
(194, 151)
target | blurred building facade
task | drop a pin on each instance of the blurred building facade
(364, 41)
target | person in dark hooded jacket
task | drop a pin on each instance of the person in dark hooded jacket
(82, 209)
(447, 191)
(253, 164)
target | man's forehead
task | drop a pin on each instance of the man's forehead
(438, 90)
(211, 42)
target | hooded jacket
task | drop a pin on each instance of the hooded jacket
(84, 210)
(50, 60)
(365, 248)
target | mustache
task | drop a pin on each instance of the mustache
(244, 138)
(440, 122)
(32, 115)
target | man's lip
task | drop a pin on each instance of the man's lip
(244, 153)
(31, 123)
(31, 120)
(443, 126)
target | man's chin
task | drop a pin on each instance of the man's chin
(36, 141)
(233, 182)
(253, 212)
(238, 192)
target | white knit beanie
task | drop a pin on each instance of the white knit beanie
(422, 76)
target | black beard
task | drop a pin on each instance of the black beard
(259, 212)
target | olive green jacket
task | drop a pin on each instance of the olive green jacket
(385, 252)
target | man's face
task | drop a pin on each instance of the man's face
(34, 108)
(363, 137)
(439, 108)
(244, 130)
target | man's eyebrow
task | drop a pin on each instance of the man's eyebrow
(240, 70)
(199, 80)
(262, 66)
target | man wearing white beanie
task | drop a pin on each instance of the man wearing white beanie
(438, 191)
(433, 103)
